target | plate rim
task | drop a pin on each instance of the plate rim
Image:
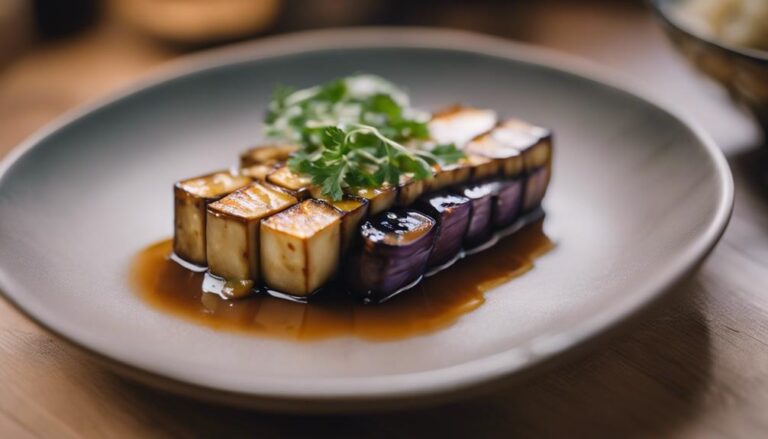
(416, 384)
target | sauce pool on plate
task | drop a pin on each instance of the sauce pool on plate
(435, 303)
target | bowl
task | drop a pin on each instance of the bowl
(743, 71)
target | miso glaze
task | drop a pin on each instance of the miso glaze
(435, 303)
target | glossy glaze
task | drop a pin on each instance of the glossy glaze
(436, 303)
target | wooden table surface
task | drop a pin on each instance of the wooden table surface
(697, 366)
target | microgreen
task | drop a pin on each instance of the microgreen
(352, 133)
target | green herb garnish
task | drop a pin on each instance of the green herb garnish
(352, 133)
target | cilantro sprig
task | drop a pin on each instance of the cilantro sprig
(352, 133)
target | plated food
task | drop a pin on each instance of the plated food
(359, 192)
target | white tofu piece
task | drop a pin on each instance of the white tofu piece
(379, 199)
(354, 210)
(233, 230)
(409, 190)
(508, 159)
(266, 155)
(533, 142)
(301, 247)
(459, 125)
(299, 186)
(191, 197)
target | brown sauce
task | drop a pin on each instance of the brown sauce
(435, 303)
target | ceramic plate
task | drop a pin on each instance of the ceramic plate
(638, 199)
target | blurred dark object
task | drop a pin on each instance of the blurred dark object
(15, 27)
(58, 18)
(742, 71)
(196, 22)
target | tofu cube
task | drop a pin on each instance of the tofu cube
(458, 125)
(191, 197)
(354, 210)
(409, 190)
(509, 159)
(233, 229)
(295, 184)
(300, 247)
(266, 155)
(379, 199)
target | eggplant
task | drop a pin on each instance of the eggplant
(535, 146)
(266, 155)
(301, 247)
(452, 213)
(507, 201)
(480, 228)
(393, 254)
(191, 197)
(450, 175)
(459, 125)
(233, 230)
(483, 168)
(297, 185)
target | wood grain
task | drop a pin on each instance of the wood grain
(695, 366)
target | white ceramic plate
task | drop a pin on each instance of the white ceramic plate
(637, 200)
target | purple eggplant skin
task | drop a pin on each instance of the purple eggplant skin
(507, 201)
(480, 228)
(395, 246)
(535, 188)
(452, 213)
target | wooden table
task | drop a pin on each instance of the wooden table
(695, 366)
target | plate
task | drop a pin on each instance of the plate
(638, 199)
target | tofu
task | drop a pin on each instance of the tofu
(354, 210)
(301, 247)
(508, 159)
(409, 190)
(483, 168)
(266, 155)
(233, 230)
(257, 172)
(379, 199)
(450, 175)
(533, 142)
(191, 197)
(295, 184)
(535, 145)
(458, 125)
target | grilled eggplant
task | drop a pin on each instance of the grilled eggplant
(266, 155)
(452, 213)
(459, 125)
(301, 247)
(507, 201)
(535, 146)
(191, 197)
(233, 230)
(480, 228)
(394, 252)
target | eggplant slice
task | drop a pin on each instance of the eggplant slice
(459, 125)
(480, 228)
(393, 254)
(452, 213)
(266, 155)
(191, 197)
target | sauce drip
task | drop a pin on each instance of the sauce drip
(435, 303)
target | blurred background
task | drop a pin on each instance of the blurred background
(57, 54)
